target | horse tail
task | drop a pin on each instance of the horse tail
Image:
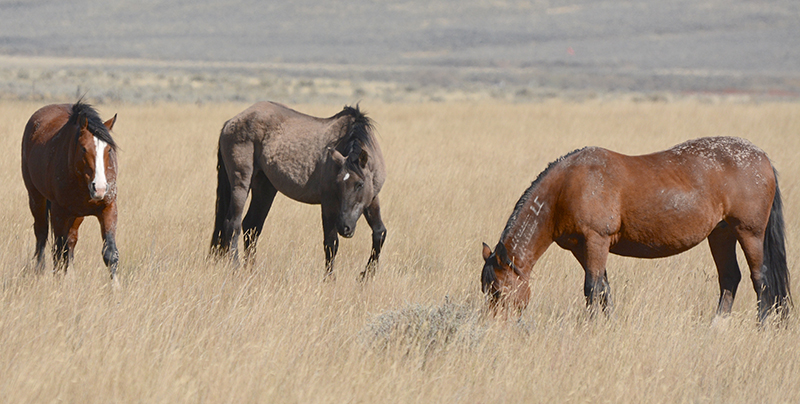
(776, 271)
(223, 202)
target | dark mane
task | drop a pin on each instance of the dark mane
(359, 134)
(528, 192)
(95, 124)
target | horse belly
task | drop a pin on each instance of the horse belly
(298, 188)
(292, 174)
(630, 248)
(668, 233)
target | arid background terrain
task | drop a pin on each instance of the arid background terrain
(471, 100)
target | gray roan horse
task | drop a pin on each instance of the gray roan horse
(334, 162)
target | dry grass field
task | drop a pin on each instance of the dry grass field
(183, 328)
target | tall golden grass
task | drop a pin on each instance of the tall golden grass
(186, 329)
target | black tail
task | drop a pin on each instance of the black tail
(223, 202)
(776, 294)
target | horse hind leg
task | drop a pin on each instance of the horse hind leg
(263, 194)
(240, 180)
(722, 242)
(768, 294)
(238, 171)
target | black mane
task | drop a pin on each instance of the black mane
(358, 137)
(528, 192)
(359, 134)
(95, 124)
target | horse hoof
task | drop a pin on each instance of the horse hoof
(115, 285)
(721, 322)
(365, 275)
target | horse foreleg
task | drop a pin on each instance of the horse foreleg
(597, 292)
(722, 242)
(65, 232)
(330, 243)
(263, 193)
(38, 205)
(108, 229)
(592, 253)
(373, 215)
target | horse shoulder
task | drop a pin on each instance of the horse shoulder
(589, 170)
(590, 191)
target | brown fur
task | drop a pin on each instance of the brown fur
(269, 148)
(595, 201)
(58, 156)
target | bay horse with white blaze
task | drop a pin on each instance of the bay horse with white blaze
(594, 201)
(333, 162)
(69, 165)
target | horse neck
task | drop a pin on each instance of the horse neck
(530, 233)
(340, 128)
(70, 142)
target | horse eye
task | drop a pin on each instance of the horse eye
(359, 184)
(84, 149)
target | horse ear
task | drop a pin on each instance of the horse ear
(487, 252)
(337, 157)
(110, 123)
(363, 157)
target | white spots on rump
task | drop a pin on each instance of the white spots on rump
(712, 150)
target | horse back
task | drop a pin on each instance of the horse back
(288, 146)
(656, 204)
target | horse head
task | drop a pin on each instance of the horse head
(91, 156)
(503, 283)
(354, 188)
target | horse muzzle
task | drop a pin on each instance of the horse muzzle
(347, 231)
(97, 191)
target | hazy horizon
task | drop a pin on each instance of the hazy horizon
(601, 46)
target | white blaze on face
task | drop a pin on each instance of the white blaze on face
(346, 176)
(99, 183)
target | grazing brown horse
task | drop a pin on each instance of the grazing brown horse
(594, 201)
(334, 162)
(69, 164)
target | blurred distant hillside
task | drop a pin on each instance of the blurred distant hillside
(517, 48)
